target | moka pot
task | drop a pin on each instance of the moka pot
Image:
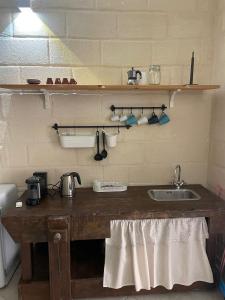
(133, 76)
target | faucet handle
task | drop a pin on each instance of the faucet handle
(179, 184)
(182, 182)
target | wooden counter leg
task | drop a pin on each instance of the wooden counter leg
(59, 258)
(26, 261)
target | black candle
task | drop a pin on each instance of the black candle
(192, 68)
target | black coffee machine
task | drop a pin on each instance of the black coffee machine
(33, 190)
(36, 188)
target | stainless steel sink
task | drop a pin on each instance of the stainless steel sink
(173, 195)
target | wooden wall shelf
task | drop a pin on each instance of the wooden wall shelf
(49, 89)
(69, 87)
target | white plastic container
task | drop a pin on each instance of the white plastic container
(111, 140)
(77, 141)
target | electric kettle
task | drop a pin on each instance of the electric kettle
(67, 184)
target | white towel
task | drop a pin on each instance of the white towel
(149, 253)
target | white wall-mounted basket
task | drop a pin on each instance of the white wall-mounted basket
(77, 141)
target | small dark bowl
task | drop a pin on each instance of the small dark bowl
(33, 81)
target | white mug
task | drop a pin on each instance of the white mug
(115, 118)
(123, 118)
(142, 120)
(144, 79)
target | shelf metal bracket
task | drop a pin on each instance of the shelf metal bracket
(172, 97)
(47, 100)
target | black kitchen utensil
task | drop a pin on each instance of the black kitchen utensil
(104, 153)
(98, 156)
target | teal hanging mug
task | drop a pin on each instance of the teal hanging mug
(131, 120)
(163, 119)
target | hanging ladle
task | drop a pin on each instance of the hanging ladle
(98, 156)
(104, 152)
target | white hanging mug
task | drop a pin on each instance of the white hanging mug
(123, 117)
(142, 120)
(114, 117)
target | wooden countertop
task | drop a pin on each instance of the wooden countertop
(91, 212)
(135, 201)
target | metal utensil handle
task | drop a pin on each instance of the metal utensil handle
(97, 135)
(103, 139)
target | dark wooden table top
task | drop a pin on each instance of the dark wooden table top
(91, 212)
(135, 201)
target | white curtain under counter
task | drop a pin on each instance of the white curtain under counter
(156, 252)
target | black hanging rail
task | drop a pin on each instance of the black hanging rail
(113, 107)
(57, 127)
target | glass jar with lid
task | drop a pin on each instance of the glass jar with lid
(154, 74)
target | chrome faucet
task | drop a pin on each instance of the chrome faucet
(177, 177)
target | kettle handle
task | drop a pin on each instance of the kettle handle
(74, 174)
(139, 72)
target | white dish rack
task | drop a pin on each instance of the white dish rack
(68, 140)
(108, 186)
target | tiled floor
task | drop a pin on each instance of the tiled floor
(10, 293)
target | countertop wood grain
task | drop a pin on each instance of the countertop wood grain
(131, 202)
(91, 212)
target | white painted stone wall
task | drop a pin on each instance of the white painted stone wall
(97, 42)
(216, 173)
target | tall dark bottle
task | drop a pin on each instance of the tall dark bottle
(192, 68)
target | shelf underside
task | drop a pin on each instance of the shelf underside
(69, 87)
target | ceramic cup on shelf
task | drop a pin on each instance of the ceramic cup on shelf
(72, 81)
(49, 80)
(65, 81)
(58, 81)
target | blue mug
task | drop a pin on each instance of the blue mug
(153, 119)
(164, 119)
(131, 120)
